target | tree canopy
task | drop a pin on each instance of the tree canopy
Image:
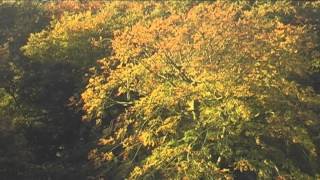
(161, 89)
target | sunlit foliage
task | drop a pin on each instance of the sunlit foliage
(208, 93)
(160, 89)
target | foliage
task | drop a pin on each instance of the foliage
(35, 122)
(208, 94)
(84, 37)
(164, 89)
(58, 8)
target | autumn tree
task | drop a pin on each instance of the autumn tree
(60, 58)
(159, 89)
(207, 93)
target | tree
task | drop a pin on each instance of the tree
(159, 90)
(208, 93)
(59, 58)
